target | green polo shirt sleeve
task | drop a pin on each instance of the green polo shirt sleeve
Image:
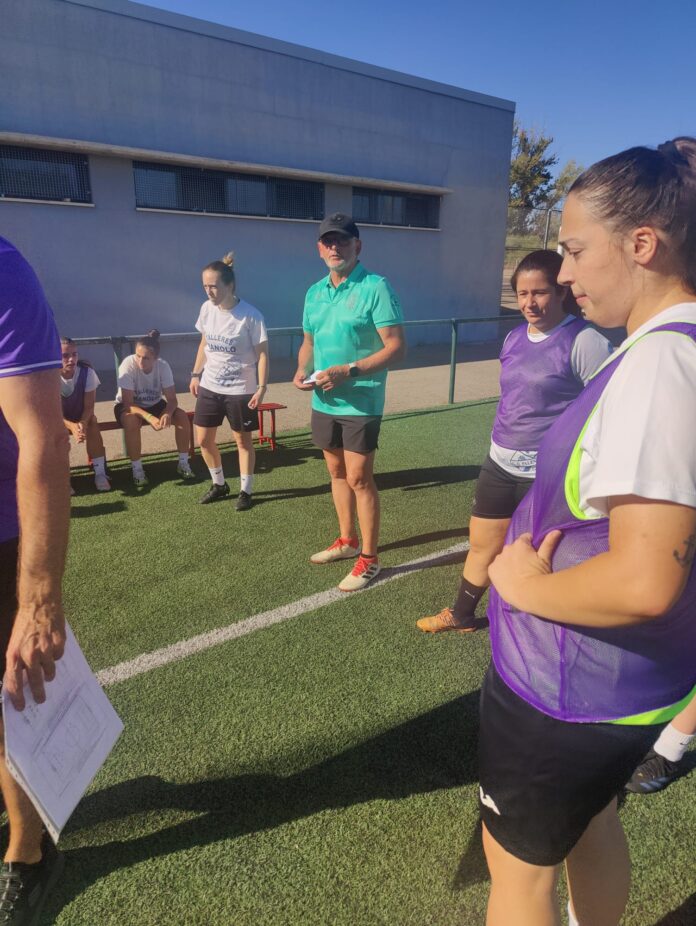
(344, 322)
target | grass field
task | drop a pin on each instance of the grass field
(321, 771)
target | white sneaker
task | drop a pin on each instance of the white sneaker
(361, 575)
(184, 470)
(337, 550)
(102, 483)
(140, 479)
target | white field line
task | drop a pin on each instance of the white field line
(176, 651)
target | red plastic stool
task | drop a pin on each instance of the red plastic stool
(271, 407)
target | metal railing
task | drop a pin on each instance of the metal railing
(118, 342)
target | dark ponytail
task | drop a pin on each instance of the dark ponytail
(645, 186)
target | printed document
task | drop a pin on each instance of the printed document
(55, 749)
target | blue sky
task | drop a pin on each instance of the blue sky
(597, 76)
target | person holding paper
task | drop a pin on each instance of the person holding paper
(352, 333)
(34, 506)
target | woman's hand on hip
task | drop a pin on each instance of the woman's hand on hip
(518, 563)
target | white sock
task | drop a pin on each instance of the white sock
(137, 467)
(247, 483)
(183, 458)
(216, 476)
(99, 466)
(672, 743)
(571, 919)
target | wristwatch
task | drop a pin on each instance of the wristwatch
(353, 370)
(193, 373)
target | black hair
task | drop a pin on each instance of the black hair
(549, 263)
(646, 186)
(151, 341)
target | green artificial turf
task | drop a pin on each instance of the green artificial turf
(321, 771)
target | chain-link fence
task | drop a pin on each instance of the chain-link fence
(528, 230)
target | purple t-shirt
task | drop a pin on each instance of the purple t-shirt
(29, 343)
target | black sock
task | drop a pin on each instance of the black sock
(468, 597)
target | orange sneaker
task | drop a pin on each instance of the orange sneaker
(444, 621)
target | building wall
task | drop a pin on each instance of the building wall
(123, 74)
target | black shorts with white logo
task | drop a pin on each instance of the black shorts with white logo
(356, 433)
(542, 780)
(213, 407)
(157, 410)
(498, 493)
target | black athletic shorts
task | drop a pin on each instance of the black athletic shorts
(9, 551)
(542, 780)
(213, 407)
(356, 433)
(498, 493)
(157, 410)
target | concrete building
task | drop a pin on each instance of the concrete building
(137, 145)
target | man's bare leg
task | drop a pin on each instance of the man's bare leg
(361, 483)
(343, 495)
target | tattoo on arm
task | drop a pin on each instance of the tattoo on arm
(687, 558)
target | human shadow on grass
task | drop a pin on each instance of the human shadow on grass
(434, 751)
(85, 511)
(426, 477)
(684, 915)
(419, 539)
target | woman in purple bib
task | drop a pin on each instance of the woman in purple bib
(545, 363)
(593, 605)
(78, 388)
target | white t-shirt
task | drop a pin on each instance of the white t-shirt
(590, 350)
(67, 386)
(231, 336)
(641, 439)
(147, 387)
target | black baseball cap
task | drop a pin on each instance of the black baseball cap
(341, 223)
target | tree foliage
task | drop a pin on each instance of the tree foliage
(531, 182)
(567, 176)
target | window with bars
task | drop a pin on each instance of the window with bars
(385, 207)
(192, 189)
(35, 173)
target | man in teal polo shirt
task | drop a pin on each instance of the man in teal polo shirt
(352, 333)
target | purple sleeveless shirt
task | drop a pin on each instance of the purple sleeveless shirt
(588, 674)
(536, 384)
(74, 404)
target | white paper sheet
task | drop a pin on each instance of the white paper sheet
(55, 749)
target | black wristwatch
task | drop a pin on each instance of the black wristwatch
(353, 370)
(197, 374)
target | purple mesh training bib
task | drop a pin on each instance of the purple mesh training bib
(536, 384)
(588, 674)
(74, 404)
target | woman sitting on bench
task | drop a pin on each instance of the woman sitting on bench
(78, 386)
(146, 395)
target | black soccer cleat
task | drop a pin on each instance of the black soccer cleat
(243, 502)
(655, 773)
(24, 888)
(214, 493)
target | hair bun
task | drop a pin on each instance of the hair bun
(673, 153)
(154, 334)
(229, 259)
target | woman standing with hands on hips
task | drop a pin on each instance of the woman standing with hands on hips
(593, 607)
(544, 364)
(229, 377)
